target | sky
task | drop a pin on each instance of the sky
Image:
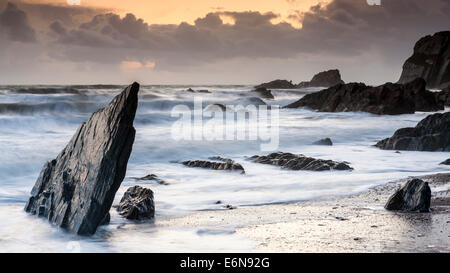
(210, 41)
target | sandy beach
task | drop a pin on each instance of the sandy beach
(357, 223)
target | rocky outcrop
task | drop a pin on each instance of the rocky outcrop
(249, 101)
(75, 191)
(430, 61)
(137, 204)
(324, 142)
(218, 163)
(446, 162)
(387, 99)
(277, 84)
(323, 79)
(415, 195)
(264, 93)
(300, 162)
(430, 134)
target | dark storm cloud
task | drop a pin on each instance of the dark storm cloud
(14, 23)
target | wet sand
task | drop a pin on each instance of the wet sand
(357, 223)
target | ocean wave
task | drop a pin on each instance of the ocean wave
(28, 108)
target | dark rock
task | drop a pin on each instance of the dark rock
(277, 84)
(249, 101)
(299, 162)
(230, 207)
(325, 142)
(197, 91)
(264, 92)
(76, 190)
(443, 97)
(430, 61)
(151, 177)
(106, 220)
(430, 134)
(446, 162)
(387, 99)
(323, 79)
(219, 164)
(137, 204)
(415, 195)
(214, 107)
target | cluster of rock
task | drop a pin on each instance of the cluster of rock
(218, 163)
(415, 195)
(390, 99)
(300, 162)
(430, 61)
(75, 191)
(137, 204)
(323, 79)
(430, 134)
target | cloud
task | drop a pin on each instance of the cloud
(14, 23)
(375, 40)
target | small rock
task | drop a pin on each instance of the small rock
(230, 207)
(446, 162)
(415, 195)
(325, 142)
(151, 177)
(137, 204)
(224, 164)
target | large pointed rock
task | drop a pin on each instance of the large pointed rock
(76, 190)
(415, 195)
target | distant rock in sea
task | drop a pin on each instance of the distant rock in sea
(415, 195)
(300, 162)
(387, 99)
(137, 204)
(197, 91)
(75, 191)
(277, 84)
(430, 134)
(430, 61)
(446, 162)
(323, 79)
(325, 142)
(264, 93)
(218, 163)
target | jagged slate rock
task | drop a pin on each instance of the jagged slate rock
(277, 84)
(430, 134)
(446, 162)
(323, 79)
(151, 177)
(415, 195)
(299, 162)
(224, 164)
(264, 92)
(325, 142)
(76, 190)
(430, 61)
(387, 99)
(137, 204)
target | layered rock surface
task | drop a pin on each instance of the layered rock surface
(75, 191)
(217, 163)
(387, 99)
(430, 134)
(299, 162)
(430, 61)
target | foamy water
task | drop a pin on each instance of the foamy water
(37, 122)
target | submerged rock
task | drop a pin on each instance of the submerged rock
(151, 177)
(277, 84)
(197, 91)
(137, 204)
(219, 163)
(429, 61)
(446, 162)
(75, 191)
(264, 92)
(325, 142)
(323, 79)
(387, 99)
(415, 195)
(430, 134)
(300, 162)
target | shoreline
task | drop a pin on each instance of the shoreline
(355, 223)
